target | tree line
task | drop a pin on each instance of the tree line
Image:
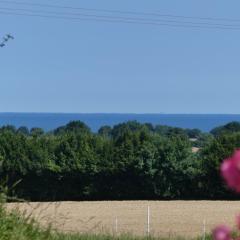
(125, 162)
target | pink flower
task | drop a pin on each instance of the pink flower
(222, 233)
(230, 170)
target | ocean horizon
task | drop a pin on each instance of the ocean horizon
(50, 121)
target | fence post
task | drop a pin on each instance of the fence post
(204, 229)
(116, 225)
(148, 220)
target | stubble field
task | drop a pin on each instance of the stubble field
(166, 218)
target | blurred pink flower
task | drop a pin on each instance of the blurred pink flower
(222, 233)
(230, 170)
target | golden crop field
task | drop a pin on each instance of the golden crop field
(166, 218)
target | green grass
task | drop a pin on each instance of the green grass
(16, 226)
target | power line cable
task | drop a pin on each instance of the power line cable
(117, 21)
(118, 17)
(117, 11)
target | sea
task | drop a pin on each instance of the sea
(50, 121)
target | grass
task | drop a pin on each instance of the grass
(18, 226)
(167, 218)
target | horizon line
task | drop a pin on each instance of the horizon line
(117, 113)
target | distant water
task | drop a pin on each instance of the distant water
(49, 121)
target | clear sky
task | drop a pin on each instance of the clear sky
(86, 66)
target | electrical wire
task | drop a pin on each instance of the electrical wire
(83, 16)
(116, 11)
(115, 21)
(118, 17)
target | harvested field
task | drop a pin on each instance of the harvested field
(167, 218)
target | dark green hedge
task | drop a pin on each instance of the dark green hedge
(128, 161)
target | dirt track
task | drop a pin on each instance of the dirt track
(167, 218)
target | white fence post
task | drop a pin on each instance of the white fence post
(204, 229)
(116, 225)
(148, 220)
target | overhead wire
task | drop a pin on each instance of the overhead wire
(116, 21)
(118, 17)
(116, 11)
(83, 16)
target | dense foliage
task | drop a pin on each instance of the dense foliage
(129, 161)
(231, 127)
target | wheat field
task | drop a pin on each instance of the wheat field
(167, 218)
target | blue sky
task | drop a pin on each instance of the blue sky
(80, 66)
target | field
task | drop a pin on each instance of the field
(167, 218)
